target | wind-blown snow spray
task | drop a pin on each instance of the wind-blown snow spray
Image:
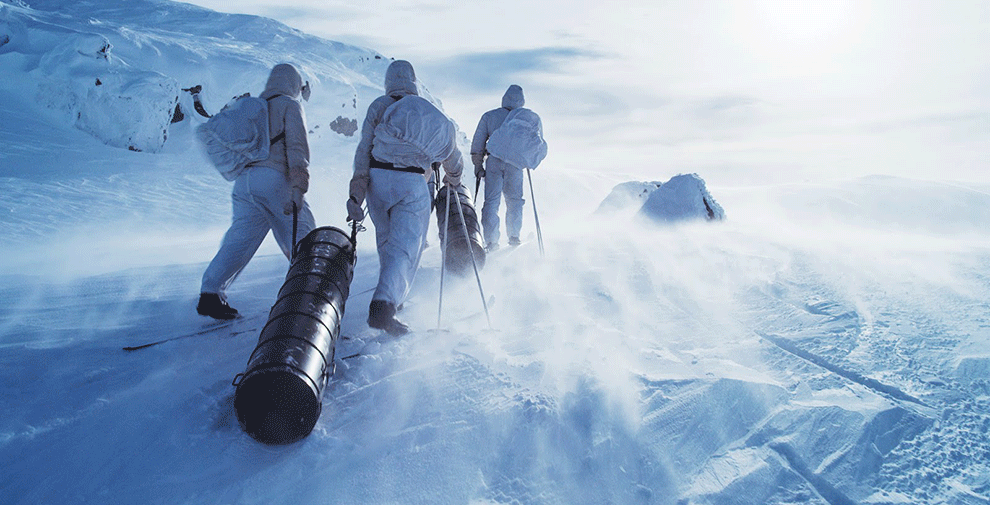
(449, 221)
(279, 398)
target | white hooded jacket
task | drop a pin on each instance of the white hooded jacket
(285, 114)
(491, 120)
(400, 81)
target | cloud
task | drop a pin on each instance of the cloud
(725, 112)
(492, 71)
(875, 87)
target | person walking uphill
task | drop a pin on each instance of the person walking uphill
(402, 137)
(265, 194)
(500, 176)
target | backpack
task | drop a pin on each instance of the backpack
(519, 139)
(237, 135)
(413, 133)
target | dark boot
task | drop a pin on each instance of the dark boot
(381, 315)
(514, 241)
(211, 304)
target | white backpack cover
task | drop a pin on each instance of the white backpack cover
(413, 133)
(236, 136)
(519, 140)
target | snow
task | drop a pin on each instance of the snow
(825, 343)
(683, 197)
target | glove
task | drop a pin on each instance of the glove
(297, 200)
(354, 210)
(479, 171)
(452, 181)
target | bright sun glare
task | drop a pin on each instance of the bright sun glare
(795, 30)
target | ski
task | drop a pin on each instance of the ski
(505, 250)
(213, 327)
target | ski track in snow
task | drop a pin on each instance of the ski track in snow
(907, 342)
(625, 367)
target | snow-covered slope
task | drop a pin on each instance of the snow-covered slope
(56, 117)
(85, 59)
(825, 345)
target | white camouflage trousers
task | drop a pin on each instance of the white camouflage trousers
(399, 205)
(259, 197)
(502, 178)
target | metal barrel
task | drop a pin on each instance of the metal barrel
(458, 246)
(279, 398)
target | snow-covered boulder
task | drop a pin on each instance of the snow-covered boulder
(122, 106)
(73, 74)
(628, 196)
(683, 197)
(11, 32)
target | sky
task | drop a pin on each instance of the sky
(775, 90)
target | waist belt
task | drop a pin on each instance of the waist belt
(389, 166)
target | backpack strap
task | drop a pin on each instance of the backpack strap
(375, 163)
(280, 136)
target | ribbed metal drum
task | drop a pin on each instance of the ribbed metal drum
(279, 398)
(459, 246)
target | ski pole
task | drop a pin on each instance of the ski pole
(539, 233)
(477, 186)
(295, 227)
(474, 263)
(435, 190)
(443, 255)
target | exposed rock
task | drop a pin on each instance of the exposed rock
(344, 126)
